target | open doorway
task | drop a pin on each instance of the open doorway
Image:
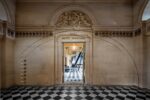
(74, 56)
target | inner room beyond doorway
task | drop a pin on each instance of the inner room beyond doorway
(74, 62)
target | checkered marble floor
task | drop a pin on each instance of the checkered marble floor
(75, 93)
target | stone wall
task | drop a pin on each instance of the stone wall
(117, 57)
(8, 63)
(7, 16)
(0, 63)
(147, 53)
(147, 61)
(115, 60)
(105, 14)
(35, 56)
(3, 15)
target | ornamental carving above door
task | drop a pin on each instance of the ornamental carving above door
(73, 18)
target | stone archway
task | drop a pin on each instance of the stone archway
(3, 14)
(73, 19)
(9, 16)
(81, 8)
(73, 26)
(146, 12)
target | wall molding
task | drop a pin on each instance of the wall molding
(33, 31)
(34, 34)
(146, 27)
(128, 33)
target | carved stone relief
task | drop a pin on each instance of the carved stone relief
(73, 18)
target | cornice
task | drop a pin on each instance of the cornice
(37, 31)
(112, 28)
(34, 28)
(50, 28)
(34, 33)
(129, 33)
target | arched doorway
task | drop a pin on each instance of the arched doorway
(73, 27)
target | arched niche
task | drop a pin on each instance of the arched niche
(73, 18)
(3, 14)
(138, 8)
(76, 27)
(3, 18)
(9, 17)
(67, 8)
(146, 13)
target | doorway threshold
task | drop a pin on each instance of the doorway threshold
(73, 84)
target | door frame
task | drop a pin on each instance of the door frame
(73, 36)
(83, 76)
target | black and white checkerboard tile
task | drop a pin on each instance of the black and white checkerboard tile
(75, 93)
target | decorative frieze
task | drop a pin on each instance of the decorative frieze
(34, 34)
(137, 32)
(118, 33)
(11, 33)
(133, 33)
(73, 18)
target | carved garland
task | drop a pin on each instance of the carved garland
(73, 18)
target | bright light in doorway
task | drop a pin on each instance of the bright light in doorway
(74, 47)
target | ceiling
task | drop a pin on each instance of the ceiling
(84, 1)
